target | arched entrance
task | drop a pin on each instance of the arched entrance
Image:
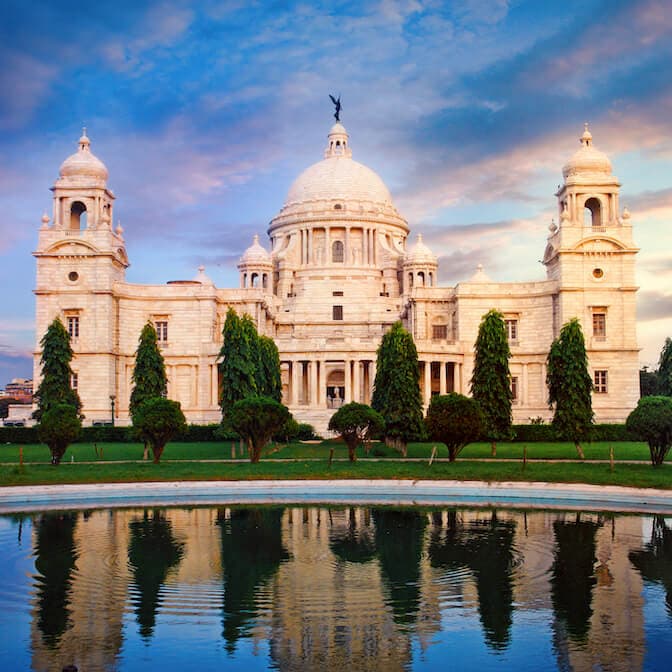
(335, 388)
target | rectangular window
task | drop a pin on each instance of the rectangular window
(161, 331)
(74, 381)
(599, 325)
(511, 324)
(73, 326)
(439, 332)
(337, 293)
(514, 388)
(600, 382)
(337, 312)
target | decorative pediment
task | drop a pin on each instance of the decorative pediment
(599, 244)
(71, 248)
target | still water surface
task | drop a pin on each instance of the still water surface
(319, 588)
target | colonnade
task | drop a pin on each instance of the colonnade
(328, 383)
(366, 253)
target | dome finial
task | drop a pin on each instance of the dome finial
(84, 141)
(587, 137)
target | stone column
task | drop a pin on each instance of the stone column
(346, 252)
(442, 378)
(356, 393)
(313, 383)
(214, 385)
(372, 377)
(523, 394)
(428, 382)
(296, 381)
(327, 246)
(347, 369)
(310, 246)
(456, 377)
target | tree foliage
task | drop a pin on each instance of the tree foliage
(651, 421)
(158, 420)
(396, 394)
(268, 380)
(648, 382)
(256, 419)
(59, 427)
(249, 364)
(570, 385)
(455, 420)
(356, 423)
(55, 386)
(665, 369)
(149, 373)
(491, 380)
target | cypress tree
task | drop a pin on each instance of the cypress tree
(268, 381)
(239, 361)
(665, 369)
(570, 385)
(491, 380)
(149, 373)
(55, 386)
(396, 394)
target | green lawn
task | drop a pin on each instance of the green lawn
(85, 452)
(639, 475)
(83, 465)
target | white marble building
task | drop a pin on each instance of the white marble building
(338, 274)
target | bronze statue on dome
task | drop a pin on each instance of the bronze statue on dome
(337, 103)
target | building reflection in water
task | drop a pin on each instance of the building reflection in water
(343, 588)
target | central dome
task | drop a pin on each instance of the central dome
(338, 178)
(338, 188)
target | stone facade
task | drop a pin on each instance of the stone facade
(338, 274)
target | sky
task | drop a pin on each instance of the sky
(204, 113)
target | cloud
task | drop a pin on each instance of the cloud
(653, 305)
(25, 83)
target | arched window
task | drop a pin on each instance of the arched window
(78, 216)
(410, 280)
(264, 280)
(421, 279)
(430, 282)
(254, 280)
(337, 252)
(592, 215)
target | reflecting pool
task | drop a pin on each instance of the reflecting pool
(335, 588)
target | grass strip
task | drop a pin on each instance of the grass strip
(634, 475)
(225, 450)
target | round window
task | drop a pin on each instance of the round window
(598, 273)
(73, 276)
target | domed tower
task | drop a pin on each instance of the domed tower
(256, 268)
(80, 256)
(420, 267)
(590, 254)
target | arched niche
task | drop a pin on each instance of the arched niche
(78, 216)
(592, 212)
(337, 252)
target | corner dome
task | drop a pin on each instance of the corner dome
(255, 254)
(83, 164)
(420, 254)
(587, 159)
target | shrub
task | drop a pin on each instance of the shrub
(651, 421)
(355, 423)
(256, 419)
(455, 420)
(59, 427)
(158, 420)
